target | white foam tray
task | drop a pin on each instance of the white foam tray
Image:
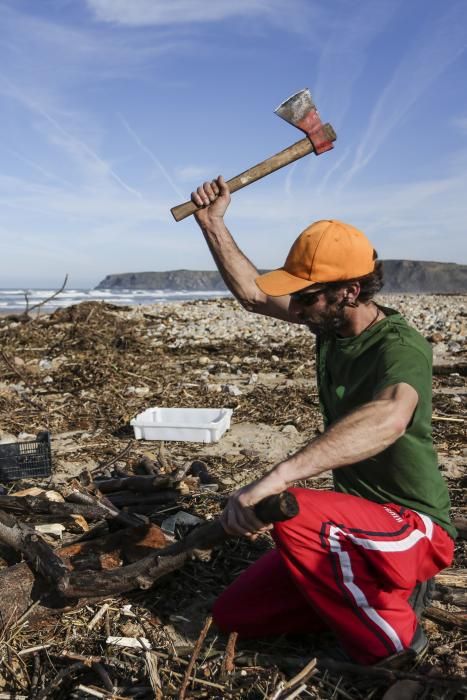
(184, 424)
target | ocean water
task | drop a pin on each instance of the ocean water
(14, 301)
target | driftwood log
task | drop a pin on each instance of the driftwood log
(21, 589)
(80, 578)
(81, 504)
(144, 483)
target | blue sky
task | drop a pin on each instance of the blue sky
(112, 111)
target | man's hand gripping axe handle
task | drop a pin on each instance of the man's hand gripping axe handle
(300, 111)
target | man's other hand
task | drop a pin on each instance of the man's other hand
(238, 518)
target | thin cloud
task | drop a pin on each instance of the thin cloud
(172, 12)
(434, 49)
(73, 143)
(36, 166)
(151, 155)
(194, 174)
(461, 124)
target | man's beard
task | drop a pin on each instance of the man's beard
(330, 323)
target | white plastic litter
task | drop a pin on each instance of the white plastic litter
(131, 642)
(184, 424)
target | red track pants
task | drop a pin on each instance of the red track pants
(345, 564)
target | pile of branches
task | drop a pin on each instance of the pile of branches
(97, 616)
(116, 649)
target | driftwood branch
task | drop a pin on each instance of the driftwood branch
(37, 552)
(377, 673)
(444, 617)
(452, 596)
(143, 483)
(24, 593)
(44, 301)
(144, 572)
(452, 577)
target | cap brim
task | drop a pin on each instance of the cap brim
(278, 283)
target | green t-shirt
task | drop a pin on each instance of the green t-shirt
(351, 371)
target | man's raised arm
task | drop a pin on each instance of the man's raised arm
(237, 271)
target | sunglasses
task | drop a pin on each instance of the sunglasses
(306, 298)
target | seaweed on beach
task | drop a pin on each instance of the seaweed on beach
(82, 373)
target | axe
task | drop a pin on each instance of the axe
(300, 111)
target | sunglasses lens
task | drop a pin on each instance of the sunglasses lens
(306, 298)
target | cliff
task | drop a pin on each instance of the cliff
(399, 275)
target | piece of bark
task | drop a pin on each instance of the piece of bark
(452, 596)
(32, 505)
(107, 509)
(123, 546)
(36, 551)
(444, 617)
(200, 470)
(148, 464)
(181, 472)
(135, 483)
(461, 526)
(452, 577)
(460, 368)
(127, 498)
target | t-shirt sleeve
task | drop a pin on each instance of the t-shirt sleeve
(398, 362)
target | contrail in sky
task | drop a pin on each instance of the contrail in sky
(38, 167)
(152, 157)
(39, 110)
(430, 54)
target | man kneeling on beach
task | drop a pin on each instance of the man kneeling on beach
(354, 560)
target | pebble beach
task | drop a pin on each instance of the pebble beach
(83, 372)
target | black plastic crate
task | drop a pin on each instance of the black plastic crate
(26, 460)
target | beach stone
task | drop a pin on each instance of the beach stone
(216, 388)
(45, 364)
(290, 430)
(232, 389)
(6, 438)
(138, 390)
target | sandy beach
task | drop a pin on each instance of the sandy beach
(84, 371)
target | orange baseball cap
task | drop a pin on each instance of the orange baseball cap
(326, 251)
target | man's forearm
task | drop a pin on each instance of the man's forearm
(361, 434)
(237, 271)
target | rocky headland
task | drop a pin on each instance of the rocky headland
(400, 276)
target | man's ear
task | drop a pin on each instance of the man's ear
(351, 293)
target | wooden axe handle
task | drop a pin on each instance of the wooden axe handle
(288, 155)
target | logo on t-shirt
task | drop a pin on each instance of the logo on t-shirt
(340, 391)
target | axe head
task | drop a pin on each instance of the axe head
(300, 110)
